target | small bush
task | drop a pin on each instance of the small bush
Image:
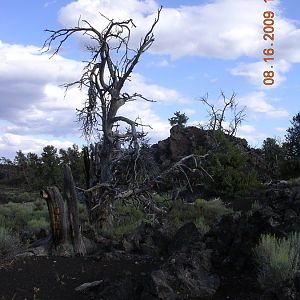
(212, 210)
(9, 242)
(230, 168)
(256, 205)
(37, 224)
(126, 218)
(17, 216)
(3, 222)
(162, 200)
(203, 213)
(290, 168)
(15, 195)
(277, 260)
(294, 181)
(201, 225)
(39, 205)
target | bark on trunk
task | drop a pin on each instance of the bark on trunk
(97, 163)
(72, 211)
(63, 213)
(57, 214)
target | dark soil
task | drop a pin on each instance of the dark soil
(238, 288)
(57, 277)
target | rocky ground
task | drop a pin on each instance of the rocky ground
(61, 278)
(158, 262)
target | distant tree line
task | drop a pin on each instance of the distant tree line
(283, 159)
(34, 171)
(278, 160)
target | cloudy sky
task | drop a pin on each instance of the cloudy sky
(201, 47)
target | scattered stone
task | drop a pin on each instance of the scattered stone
(184, 237)
(188, 271)
(88, 285)
(148, 239)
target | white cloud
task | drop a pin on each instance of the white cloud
(253, 135)
(32, 101)
(280, 129)
(48, 3)
(159, 129)
(246, 129)
(164, 63)
(286, 47)
(11, 143)
(256, 102)
(118, 10)
(254, 139)
(189, 111)
(211, 30)
(287, 42)
(34, 104)
(253, 72)
(24, 72)
(139, 84)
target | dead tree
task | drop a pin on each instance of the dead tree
(111, 64)
(229, 113)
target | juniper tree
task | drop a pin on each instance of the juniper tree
(111, 63)
(293, 138)
(179, 119)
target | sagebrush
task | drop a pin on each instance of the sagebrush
(277, 260)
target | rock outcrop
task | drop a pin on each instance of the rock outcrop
(187, 274)
(185, 271)
(182, 141)
(234, 237)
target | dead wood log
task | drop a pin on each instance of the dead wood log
(64, 220)
(101, 197)
(57, 214)
(72, 211)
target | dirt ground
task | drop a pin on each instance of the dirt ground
(56, 278)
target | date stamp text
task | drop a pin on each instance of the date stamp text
(268, 53)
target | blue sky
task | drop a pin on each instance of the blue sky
(201, 47)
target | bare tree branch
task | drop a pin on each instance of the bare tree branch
(219, 116)
(110, 65)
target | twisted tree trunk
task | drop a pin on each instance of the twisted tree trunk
(64, 221)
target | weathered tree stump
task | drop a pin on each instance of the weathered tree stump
(64, 221)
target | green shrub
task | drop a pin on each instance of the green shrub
(39, 205)
(17, 216)
(201, 225)
(230, 169)
(126, 218)
(3, 222)
(37, 224)
(162, 200)
(277, 260)
(15, 195)
(9, 242)
(294, 181)
(256, 205)
(203, 213)
(212, 210)
(290, 168)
